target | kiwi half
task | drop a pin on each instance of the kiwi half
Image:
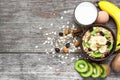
(105, 70)
(89, 72)
(96, 55)
(81, 66)
(96, 70)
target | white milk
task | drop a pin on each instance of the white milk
(86, 13)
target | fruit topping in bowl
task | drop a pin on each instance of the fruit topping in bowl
(97, 42)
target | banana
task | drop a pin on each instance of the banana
(103, 49)
(101, 40)
(93, 46)
(114, 12)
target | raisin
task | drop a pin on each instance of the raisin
(89, 49)
(101, 33)
(60, 34)
(67, 45)
(57, 50)
(91, 29)
(108, 43)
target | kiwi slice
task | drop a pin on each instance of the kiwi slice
(96, 70)
(96, 55)
(89, 72)
(110, 47)
(105, 70)
(81, 66)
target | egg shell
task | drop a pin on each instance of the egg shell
(103, 17)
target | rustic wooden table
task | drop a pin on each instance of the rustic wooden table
(24, 25)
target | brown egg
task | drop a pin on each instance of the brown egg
(103, 17)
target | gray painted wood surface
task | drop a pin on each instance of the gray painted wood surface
(22, 52)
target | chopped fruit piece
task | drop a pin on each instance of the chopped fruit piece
(67, 45)
(105, 70)
(57, 50)
(67, 31)
(65, 49)
(76, 44)
(96, 70)
(89, 72)
(60, 34)
(81, 66)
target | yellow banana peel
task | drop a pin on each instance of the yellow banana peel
(114, 12)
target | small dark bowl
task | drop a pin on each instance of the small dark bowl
(114, 43)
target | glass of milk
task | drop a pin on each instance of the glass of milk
(85, 13)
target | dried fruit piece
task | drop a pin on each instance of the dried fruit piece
(67, 31)
(57, 50)
(60, 34)
(101, 33)
(76, 44)
(65, 49)
(67, 45)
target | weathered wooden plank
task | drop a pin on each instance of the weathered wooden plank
(41, 66)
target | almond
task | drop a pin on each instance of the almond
(67, 31)
(65, 49)
(76, 44)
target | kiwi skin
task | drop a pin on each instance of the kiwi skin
(105, 70)
(97, 68)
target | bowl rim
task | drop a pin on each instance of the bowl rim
(114, 42)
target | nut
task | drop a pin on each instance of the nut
(77, 32)
(67, 31)
(76, 44)
(65, 49)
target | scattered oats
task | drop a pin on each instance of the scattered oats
(62, 62)
(67, 54)
(47, 52)
(54, 33)
(40, 27)
(53, 52)
(70, 35)
(63, 26)
(66, 57)
(61, 17)
(72, 58)
(65, 12)
(48, 38)
(61, 38)
(45, 42)
(49, 67)
(62, 56)
(71, 44)
(68, 22)
(51, 24)
(46, 33)
(67, 26)
(36, 46)
(59, 55)
(73, 27)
